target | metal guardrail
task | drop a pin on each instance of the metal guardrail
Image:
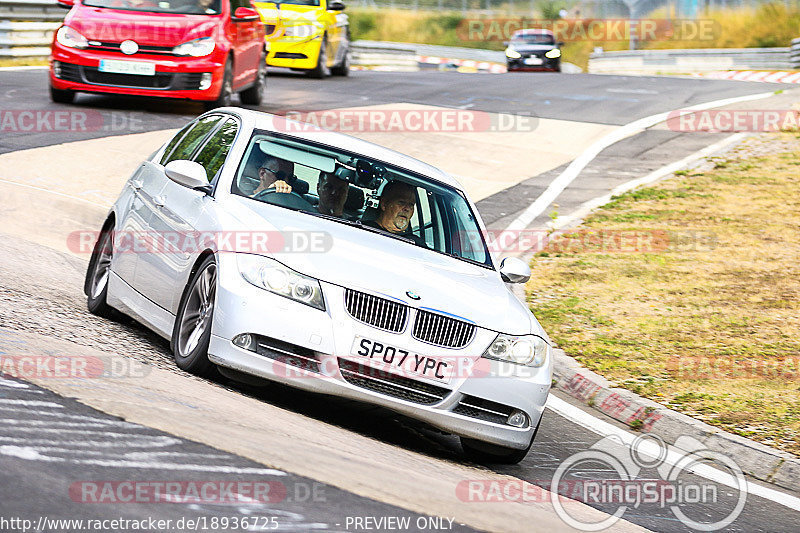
(794, 53)
(27, 26)
(690, 61)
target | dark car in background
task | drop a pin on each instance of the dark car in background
(533, 49)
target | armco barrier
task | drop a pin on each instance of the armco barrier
(689, 61)
(794, 53)
(27, 26)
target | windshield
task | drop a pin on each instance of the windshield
(533, 38)
(360, 192)
(184, 7)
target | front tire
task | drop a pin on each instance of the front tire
(96, 283)
(225, 92)
(255, 94)
(191, 334)
(343, 68)
(321, 70)
(485, 453)
(61, 96)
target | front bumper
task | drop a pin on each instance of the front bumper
(546, 65)
(465, 402)
(176, 77)
(292, 54)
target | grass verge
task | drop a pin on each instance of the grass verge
(705, 316)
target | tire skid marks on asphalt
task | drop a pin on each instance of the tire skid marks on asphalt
(77, 440)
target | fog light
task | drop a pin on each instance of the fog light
(245, 341)
(517, 419)
(57, 69)
(205, 81)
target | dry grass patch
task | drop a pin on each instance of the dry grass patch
(708, 323)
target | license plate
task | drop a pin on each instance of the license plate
(139, 68)
(398, 361)
(533, 61)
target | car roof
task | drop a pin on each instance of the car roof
(305, 132)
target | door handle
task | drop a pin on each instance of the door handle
(136, 184)
(159, 201)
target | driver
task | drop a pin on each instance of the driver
(332, 193)
(395, 210)
(269, 176)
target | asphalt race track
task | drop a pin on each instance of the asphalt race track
(50, 443)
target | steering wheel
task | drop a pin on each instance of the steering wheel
(292, 200)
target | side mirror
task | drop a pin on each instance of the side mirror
(514, 270)
(335, 5)
(187, 173)
(560, 44)
(506, 43)
(66, 4)
(245, 13)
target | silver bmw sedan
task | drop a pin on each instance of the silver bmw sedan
(266, 249)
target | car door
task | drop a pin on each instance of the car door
(153, 268)
(247, 44)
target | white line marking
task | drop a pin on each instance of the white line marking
(586, 207)
(223, 469)
(41, 189)
(12, 384)
(569, 174)
(31, 403)
(603, 428)
(27, 67)
(141, 442)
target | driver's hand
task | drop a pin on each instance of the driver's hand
(282, 186)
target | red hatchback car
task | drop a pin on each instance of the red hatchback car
(197, 49)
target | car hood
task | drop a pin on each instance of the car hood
(362, 260)
(287, 12)
(522, 48)
(154, 29)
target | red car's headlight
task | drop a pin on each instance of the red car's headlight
(71, 38)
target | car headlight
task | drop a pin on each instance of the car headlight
(512, 54)
(528, 350)
(195, 48)
(275, 277)
(301, 30)
(552, 54)
(71, 38)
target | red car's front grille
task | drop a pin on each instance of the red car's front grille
(143, 49)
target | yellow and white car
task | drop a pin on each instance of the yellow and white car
(308, 35)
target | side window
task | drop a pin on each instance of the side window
(171, 144)
(213, 154)
(193, 138)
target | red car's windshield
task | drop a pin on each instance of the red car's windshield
(183, 7)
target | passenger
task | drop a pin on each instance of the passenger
(395, 210)
(269, 176)
(332, 193)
